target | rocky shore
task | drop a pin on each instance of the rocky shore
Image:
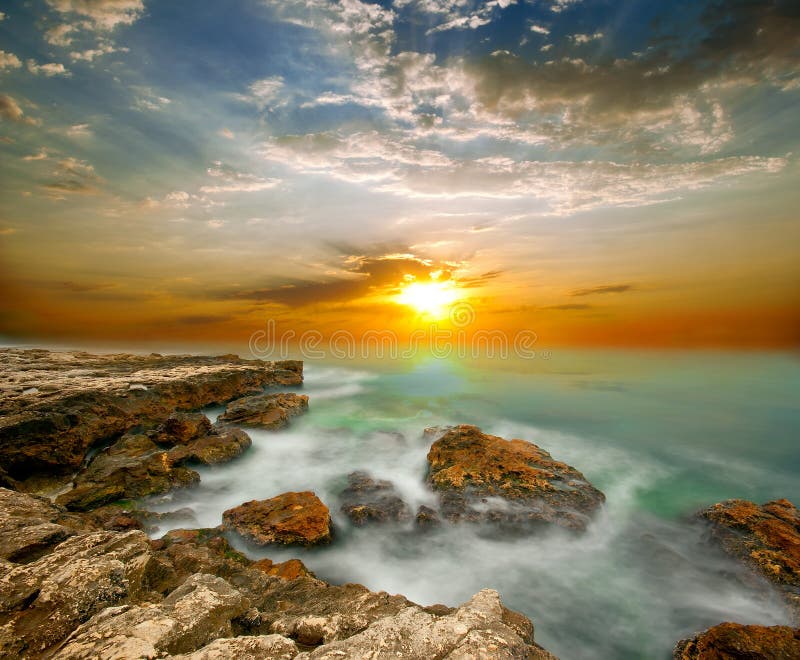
(83, 436)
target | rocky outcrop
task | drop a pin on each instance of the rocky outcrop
(288, 519)
(267, 411)
(55, 406)
(368, 500)
(484, 478)
(220, 446)
(189, 595)
(733, 640)
(766, 538)
(133, 467)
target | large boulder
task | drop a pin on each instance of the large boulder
(55, 406)
(220, 446)
(181, 428)
(734, 640)
(481, 477)
(268, 411)
(132, 467)
(288, 519)
(372, 500)
(766, 538)
(246, 647)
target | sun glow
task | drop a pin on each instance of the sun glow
(431, 299)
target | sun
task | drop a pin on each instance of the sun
(432, 299)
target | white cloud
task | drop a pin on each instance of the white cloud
(10, 110)
(586, 38)
(9, 60)
(227, 133)
(39, 155)
(60, 35)
(540, 29)
(79, 130)
(558, 6)
(89, 55)
(101, 14)
(263, 93)
(148, 99)
(50, 69)
(232, 181)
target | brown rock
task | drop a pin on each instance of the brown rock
(288, 519)
(733, 640)
(181, 429)
(83, 399)
(290, 569)
(766, 538)
(467, 467)
(369, 500)
(220, 446)
(133, 467)
(269, 411)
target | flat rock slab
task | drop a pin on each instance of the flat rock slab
(734, 640)
(288, 519)
(766, 538)
(484, 478)
(268, 411)
(54, 406)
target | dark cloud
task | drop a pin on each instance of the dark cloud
(368, 274)
(480, 280)
(606, 288)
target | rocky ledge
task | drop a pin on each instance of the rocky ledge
(728, 641)
(55, 406)
(514, 483)
(69, 590)
(766, 538)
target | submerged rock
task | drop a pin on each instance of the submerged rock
(83, 399)
(288, 519)
(269, 411)
(483, 477)
(766, 538)
(368, 500)
(733, 640)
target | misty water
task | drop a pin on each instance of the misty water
(663, 435)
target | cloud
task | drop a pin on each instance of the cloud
(363, 275)
(540, 29)
(89, 55)
(603, 289)
(74, 177)
(263, 93)
(61, 34)
(10, 111)
(586, 38)
(570, 307)
(51, 69)
(39, 155)
(9, 60)
(101, 14)
(149, 100)
(79, 130)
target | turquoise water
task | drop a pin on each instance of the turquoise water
(662, 434)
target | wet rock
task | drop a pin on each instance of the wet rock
(194, 614)
(43, 601)
(477, 629)
(733, 640)
(181, 429)
(84, 399)
(221, 446)
(368, 500)
(261, 647)
(427, 518)
(513, 483)
(269, 411)
(766, 538)
(131, 468)
(288, 519)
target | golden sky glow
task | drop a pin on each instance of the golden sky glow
(611, 178)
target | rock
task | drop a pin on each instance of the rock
(43, 601)
(31, 526)
(181, 429)
(219, 447)
(269, 411)
(84, 399)
(131, 468)
(733, 640)
(287, 570)
(427, 518)
(262, 647)
(766, 538)
(194, 614)
(470, 469)
(368, 500)
(288, 519)
(479, 629)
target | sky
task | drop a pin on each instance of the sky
(601, 173)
